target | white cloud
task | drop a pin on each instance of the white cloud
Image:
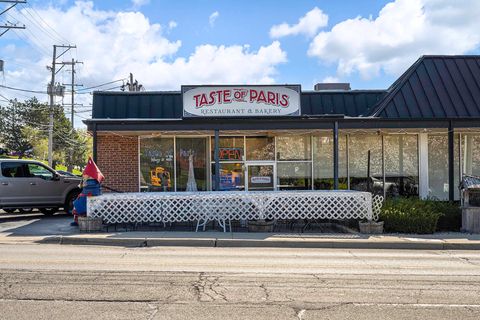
(112, 44)
(330, 79)
(172, 25)
(308, 25)
(138, 3)
(212, 18)
(211, 64)
(403, 31)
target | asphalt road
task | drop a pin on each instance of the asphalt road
(40, 281)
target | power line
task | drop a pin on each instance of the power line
(39, 24)
(103, 84)
(35, 11)
(53, 91)
(6, 99)
(23, 90)
(108, 89)
(7, 26)
(33, 44)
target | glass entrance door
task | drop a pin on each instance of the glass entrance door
(260, 177)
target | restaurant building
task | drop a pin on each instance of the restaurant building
(415, 138)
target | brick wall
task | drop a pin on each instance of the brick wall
(117, 159)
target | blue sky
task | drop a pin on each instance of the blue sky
(249, 22)
(170, 43)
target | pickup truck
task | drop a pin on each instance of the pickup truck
(28, 184)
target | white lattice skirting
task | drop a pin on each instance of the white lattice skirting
(233, 205)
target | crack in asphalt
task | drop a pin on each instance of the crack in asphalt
(265, 291)
(300, 314)
(467, 260)
(206, 286)
(153, 309)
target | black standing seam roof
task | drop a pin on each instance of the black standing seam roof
(434, 87)
(168, 105)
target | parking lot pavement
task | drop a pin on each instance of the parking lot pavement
(35, 224)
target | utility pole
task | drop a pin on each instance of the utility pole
(51, 92)
(73, 85)
(73, 94)
(132, 85)
(54, 90)
(9, 25)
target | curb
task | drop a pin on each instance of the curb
(249, 243)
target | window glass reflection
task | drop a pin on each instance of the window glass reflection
(438, 166)
(293, 148)
(260, 148)
(230, 148)
(401, 165)
(294, 175)
(323, 162)
(156, 164)
(191, 164)
(231, 177)
(365, 163)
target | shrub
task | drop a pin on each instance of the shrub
(410, 215)
(451, 219)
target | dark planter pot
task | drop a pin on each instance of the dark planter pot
(371, 227)
(260, 226)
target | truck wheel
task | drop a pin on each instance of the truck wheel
(25, 210)
(9, 210)
(72, 196)
(48, 211)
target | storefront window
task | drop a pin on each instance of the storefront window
(156, 164)
(323, 162)
(260, 148)
(261, 177)
(365, 163)
(401, 165)
(471, 154)
(294, 175)
(191, 164)
(230, 148)
(438, 166)
(231, 177)
(293, 148)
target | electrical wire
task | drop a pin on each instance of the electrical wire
(101, 85)
(39, 24)
(6, 99)
(33, 38)
(32, 44)
(108, 89)
(39, 16)
(22, 90)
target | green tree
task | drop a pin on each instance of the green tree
(12, 135)
(26, 126)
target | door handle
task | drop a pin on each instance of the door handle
(4, 183)
(33, 183)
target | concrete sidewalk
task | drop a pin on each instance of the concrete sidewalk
(56, 230)
(448, 241)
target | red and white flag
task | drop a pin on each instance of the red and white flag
(92, 171)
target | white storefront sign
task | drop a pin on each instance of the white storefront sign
(261, 179)
(241, 101)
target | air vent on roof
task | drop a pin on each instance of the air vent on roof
(332, 86)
